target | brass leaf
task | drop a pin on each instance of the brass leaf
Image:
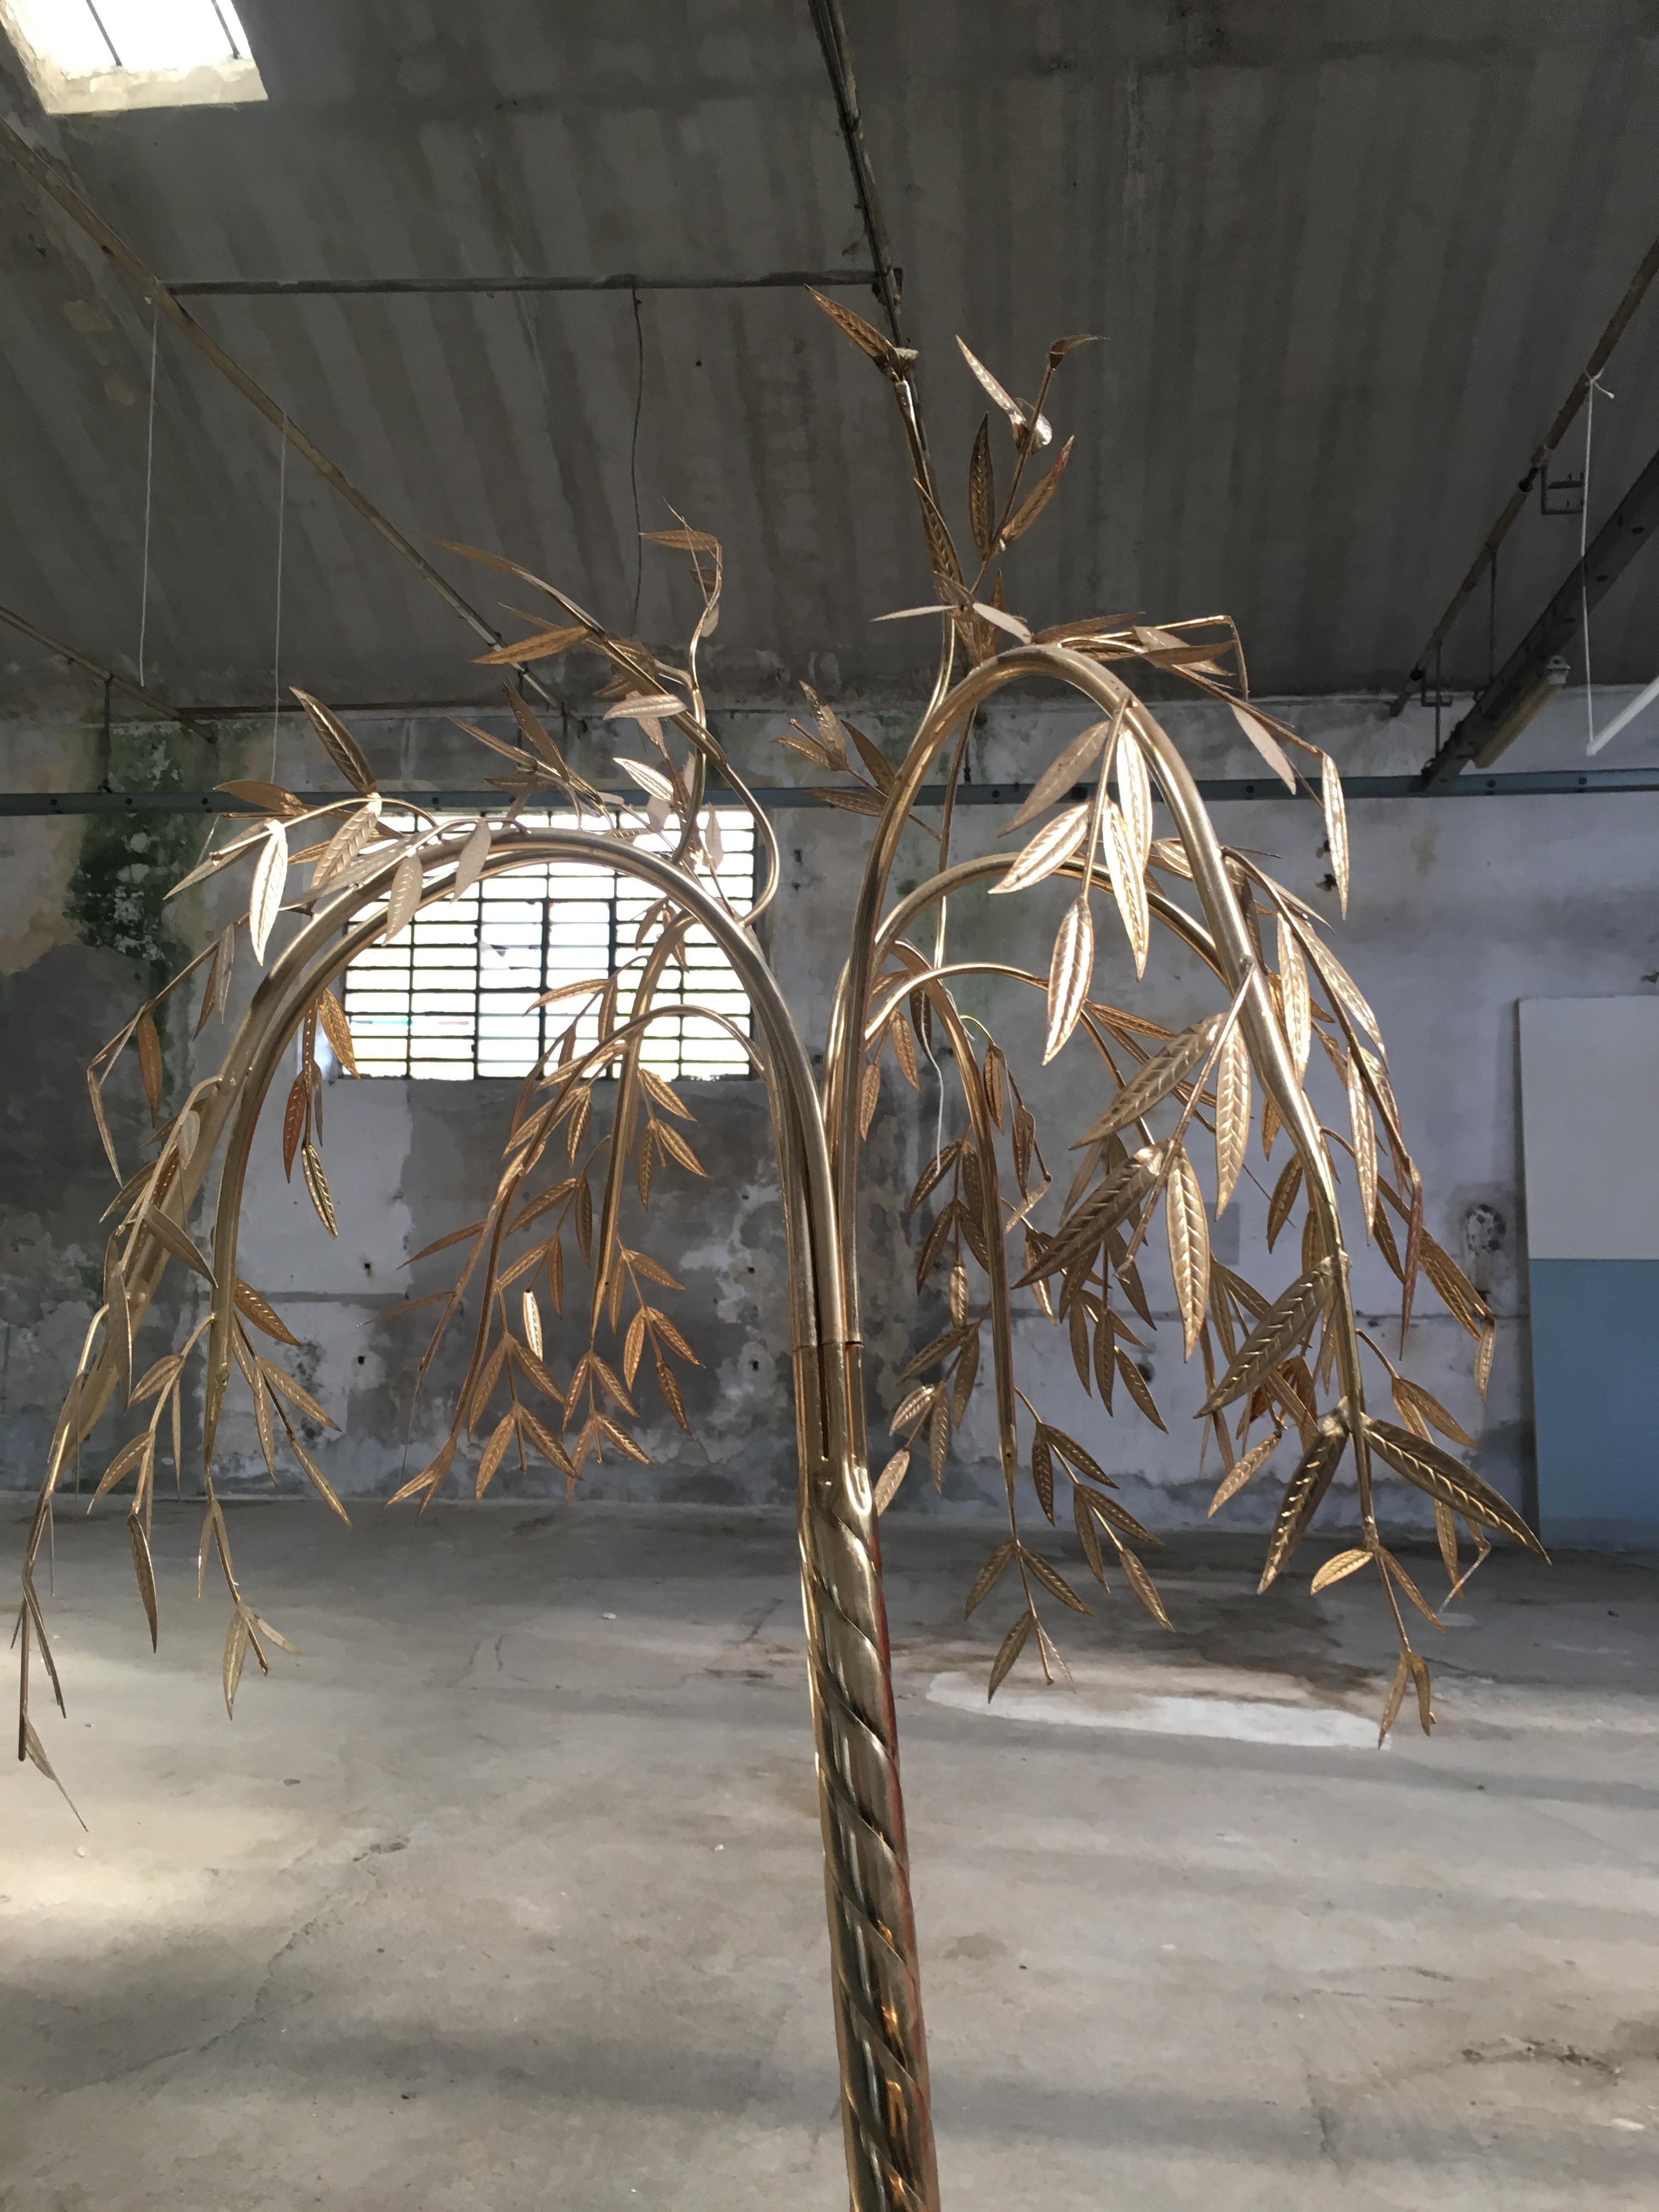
(1284, 1198)
(1443, 1477)
(1416, 1405)
(1042, 1470)
(1052, 846)
(407, 878)
(1010, 1649)
(1070, 968)
(1264, 743)
(143, 1568)
(1242, 1469)
(1293, 998)
(339, 744)
(1153, 1082)
(1010, 406)
(1143, 1586)
(1135, 1382)
(311, 1161)
(296, 1393)
(1053, 1581)
(1336, 826)
(1304, 1493)
(1067, 768)
(1232, 1117)
(1134, 796)
(1128, 885)
(892, 1475)
(1033, 504)
(149, 1061)
(1189, 1231)
(868, 340)
(1336, 1570)
(494, 1452)
(265, 899)
(347, 842)
(1364, 1143)
(982, 491)
(1291, 1318)
(336, 1028)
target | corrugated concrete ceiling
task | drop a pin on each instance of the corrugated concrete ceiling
(1346, 258)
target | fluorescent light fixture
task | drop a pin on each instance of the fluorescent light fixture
(97, 57)
(1546, 686)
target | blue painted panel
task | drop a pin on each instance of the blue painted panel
(1595, 1349)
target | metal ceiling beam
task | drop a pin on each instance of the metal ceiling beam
(1614, 546)
(55, 183)
(338, 288)
(108, 676)
(830, 26)
(1549, 783)
(1635, 292)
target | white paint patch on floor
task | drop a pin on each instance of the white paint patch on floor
(1314, 1727)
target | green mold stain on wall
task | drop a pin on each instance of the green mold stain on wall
(118, 894)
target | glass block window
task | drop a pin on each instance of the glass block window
(450, 998)
(98, 57)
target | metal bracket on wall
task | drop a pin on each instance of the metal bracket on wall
(1560, 495)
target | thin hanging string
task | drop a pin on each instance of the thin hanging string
(276, 642)
(1595, 385)
(938, 1119)
(150, 478)
(633, 461)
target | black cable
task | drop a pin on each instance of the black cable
(634, 462)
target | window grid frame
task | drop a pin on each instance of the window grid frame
(391, 1041)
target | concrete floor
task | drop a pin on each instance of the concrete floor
(507, 1894)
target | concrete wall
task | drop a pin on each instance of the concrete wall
(1459, 910)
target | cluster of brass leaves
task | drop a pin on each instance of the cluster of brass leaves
(568, 1183)
(510, 1387)
(353, 857)
(1268, 1362)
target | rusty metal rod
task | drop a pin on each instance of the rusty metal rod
(831, 29)
(345, 288)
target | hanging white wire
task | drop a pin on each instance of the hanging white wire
(150, 478)
(1625, 716)
(1595, 385)
(276, 642)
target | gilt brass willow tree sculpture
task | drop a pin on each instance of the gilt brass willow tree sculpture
(1291, 1362)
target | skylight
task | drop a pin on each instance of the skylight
(94, 57)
